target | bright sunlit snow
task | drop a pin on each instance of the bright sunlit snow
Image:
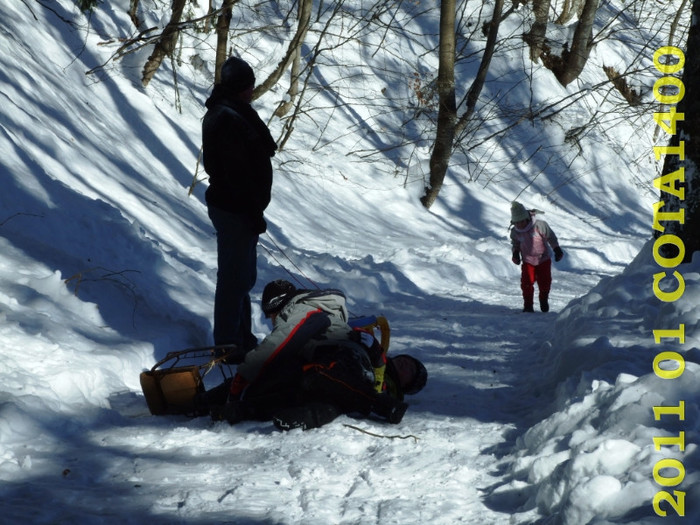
(106, 265)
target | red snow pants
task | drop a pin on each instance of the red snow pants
(540, 274)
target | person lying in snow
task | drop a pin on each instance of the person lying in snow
(314, 367)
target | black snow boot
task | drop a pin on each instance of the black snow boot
(305, 417)
(388, 407)
(233, 412)
(544, 304)
(216, 397)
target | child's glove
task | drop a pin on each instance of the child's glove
(558, 254)
(516, 257)
(379, 373)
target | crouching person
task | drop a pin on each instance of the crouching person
(314, 367)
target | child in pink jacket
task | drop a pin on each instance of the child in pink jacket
(529, 238)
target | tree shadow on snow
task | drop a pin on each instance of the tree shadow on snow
(110, 469)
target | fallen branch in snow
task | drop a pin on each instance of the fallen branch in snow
(17, 215)
(108, 275)
(115, 277)
(379, 435)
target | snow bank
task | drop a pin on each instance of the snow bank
(593, 458)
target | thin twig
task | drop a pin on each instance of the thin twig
(17, 215)
(379, 435)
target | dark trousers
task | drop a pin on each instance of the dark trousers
(339, 375)
(237, 271)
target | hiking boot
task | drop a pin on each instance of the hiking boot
(200, 404)
(233, 412)
(388, 407)
(203, 401)
(544, 304)
(528, 308)
(305, 417)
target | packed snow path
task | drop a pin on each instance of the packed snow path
(438, 466)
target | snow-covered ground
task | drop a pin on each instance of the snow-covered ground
(106, 264)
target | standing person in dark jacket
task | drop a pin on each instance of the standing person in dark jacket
(237, 148)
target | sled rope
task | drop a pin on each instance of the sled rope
(290, 261)
(281, 265)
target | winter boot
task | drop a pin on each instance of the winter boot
(305, 417)
(388, 407)
(544, 304)
(233, 412)
(216, 397)
(528, 308)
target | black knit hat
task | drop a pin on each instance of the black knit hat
(276, 295)
(237, 75)
(420, 376)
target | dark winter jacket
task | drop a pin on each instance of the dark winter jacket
(237, 147)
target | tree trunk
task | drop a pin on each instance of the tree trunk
(570, 9)
(222, 27)
(166, 43)
(133, 8)
(480, 79)
(293, 90)
(574, 60)
(682, 195)
(448, 126)
(535, 38)
(447, 111)
(293, 54)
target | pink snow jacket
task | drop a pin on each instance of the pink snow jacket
(532, 241)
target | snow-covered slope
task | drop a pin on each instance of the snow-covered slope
(106, 264)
